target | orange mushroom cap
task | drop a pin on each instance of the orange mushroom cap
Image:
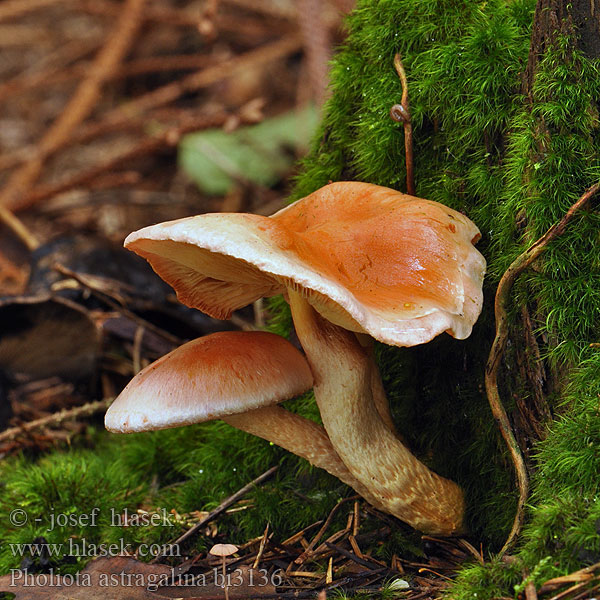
(369, 258)
(221, 374)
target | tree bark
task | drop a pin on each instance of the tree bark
(579, 22)
(576, 19)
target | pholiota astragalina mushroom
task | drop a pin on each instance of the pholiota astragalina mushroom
(236, 376)
(351, 257)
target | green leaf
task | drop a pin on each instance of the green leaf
(261, 153)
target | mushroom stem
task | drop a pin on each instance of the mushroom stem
(302, 437)
(377, 390)
(403, 485)
(223, 564)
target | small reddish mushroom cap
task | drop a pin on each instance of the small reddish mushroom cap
(369, 258)
(209, 378)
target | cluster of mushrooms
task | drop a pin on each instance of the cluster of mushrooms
(356, 262)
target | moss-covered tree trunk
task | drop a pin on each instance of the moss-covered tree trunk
(579, 21)
(571, 28)
(504, 98)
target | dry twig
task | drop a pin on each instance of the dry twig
(141, 66)
(148, 145)
(87, 282)
(587, 574)
(135, 109)
(217, 511)
(11, 9)
(187, 17)
(50, 69)
(497, 351)
(86, 410)
(309, 551)
(261, 548)
(224, 70)
(317, 46)
(18, 228)
(280, 10)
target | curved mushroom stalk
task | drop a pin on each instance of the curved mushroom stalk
(403, 485)
(294, 433)
(380, 399)
(367, 258)
(301, 437)
(238, 377)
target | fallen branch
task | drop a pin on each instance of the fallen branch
(141, 66)
(149, 145)
(49, 71)
(86, 281)
(309, 549)
(137, 108)
(279, 10)
(315, 34)
(213, 74)
(491, 371)
(85, 410)
(164, 15)
(18, 228)
(586, 574)
(353, 557)
(11, 9)
(235, 22)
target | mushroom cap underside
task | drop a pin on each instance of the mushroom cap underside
(209, 378)
(369, 258)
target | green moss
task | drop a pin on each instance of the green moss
(514, 168)
(494, 580)
(66, 495)
(170, 473)
(463, 62)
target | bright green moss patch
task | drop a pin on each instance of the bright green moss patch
(65, 497)
(76, 500)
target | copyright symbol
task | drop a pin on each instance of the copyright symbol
(18, 517)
